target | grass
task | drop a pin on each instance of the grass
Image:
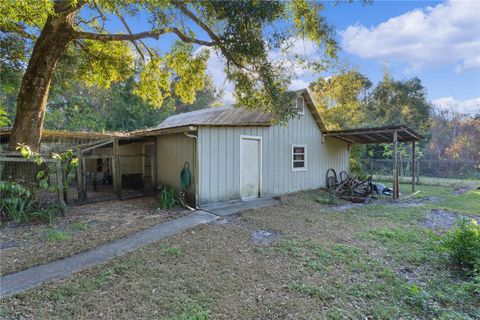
(373, 262)
(57, 235)
(177, 252)
(78, 226)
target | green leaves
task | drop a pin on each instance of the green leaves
(105, 63)
(180, 69)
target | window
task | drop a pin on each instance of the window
(300, 105)
(299, 157)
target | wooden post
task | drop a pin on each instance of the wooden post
(80, 176)
(413, 166)
(395, 167)
(65, 181)
(60, 186)
(95, 169)
(116, 174)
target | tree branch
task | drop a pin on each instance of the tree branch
(130, 32)
(210, 32)
(142, 35)
(18, 29)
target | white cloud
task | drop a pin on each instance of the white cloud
(285, 57)
(448, 33)
(471, 106)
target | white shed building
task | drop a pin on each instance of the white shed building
(235, 153)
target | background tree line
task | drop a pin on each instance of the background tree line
(350, 100)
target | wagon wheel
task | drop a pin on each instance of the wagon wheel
(344, 176)
(331, 179)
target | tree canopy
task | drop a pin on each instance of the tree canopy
(39, 32)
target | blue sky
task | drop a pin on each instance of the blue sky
(437, 41)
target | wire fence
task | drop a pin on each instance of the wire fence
(452, 169)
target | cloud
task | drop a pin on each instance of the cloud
(471, 106)
(448, 33)
(284, 56)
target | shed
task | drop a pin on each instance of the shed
(237, 153)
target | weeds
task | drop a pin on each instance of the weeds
(168, 198)
(177, 252)
(57, 235)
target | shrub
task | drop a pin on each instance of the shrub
(17, 201)
(20, 203)
(168, 197)
(463, 244)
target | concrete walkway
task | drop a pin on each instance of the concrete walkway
(35, 276)
(232, 207)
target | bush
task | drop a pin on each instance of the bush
(168, 197)
(17, 201)
(463, 244)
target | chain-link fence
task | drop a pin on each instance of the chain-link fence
(452, 169)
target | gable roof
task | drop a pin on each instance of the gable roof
(233, 116)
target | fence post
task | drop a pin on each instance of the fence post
(60, 185)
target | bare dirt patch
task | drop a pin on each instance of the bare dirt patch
(82, 227)
(439, 219)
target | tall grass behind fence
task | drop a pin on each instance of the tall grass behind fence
(453, 169)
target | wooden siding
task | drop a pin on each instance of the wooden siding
(172, 152)
(219, 158)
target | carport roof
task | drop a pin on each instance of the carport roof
(376, 135)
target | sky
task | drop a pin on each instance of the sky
(436, 41)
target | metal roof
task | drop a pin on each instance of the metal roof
(223, 116)
(376, 135)
(232, 116)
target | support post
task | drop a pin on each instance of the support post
(395, 167)
(116, 174)
(81, 195)
(413, 166)
(60, 186)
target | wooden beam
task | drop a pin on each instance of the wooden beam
(413, 165)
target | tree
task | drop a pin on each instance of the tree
(341, 99)
(396, 102)
(238, 30)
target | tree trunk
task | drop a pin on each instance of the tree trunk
(32, 98)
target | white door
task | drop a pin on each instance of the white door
(250, 167)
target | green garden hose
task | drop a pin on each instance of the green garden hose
(186, 176)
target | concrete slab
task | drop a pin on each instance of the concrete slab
(232, 207)
(35, 276)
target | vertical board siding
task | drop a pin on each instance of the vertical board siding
(219, 159)
(172, 152)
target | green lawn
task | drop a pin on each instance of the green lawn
(374, 262)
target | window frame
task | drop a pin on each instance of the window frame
(292, 155)
(300, 110)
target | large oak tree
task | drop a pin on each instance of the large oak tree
(242, 32)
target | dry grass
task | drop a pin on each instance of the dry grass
(368, 262)
(82, 228)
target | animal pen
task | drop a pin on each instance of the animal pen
(108, 166)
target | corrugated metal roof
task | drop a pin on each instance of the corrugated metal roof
(232, 116)
(223, 116)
